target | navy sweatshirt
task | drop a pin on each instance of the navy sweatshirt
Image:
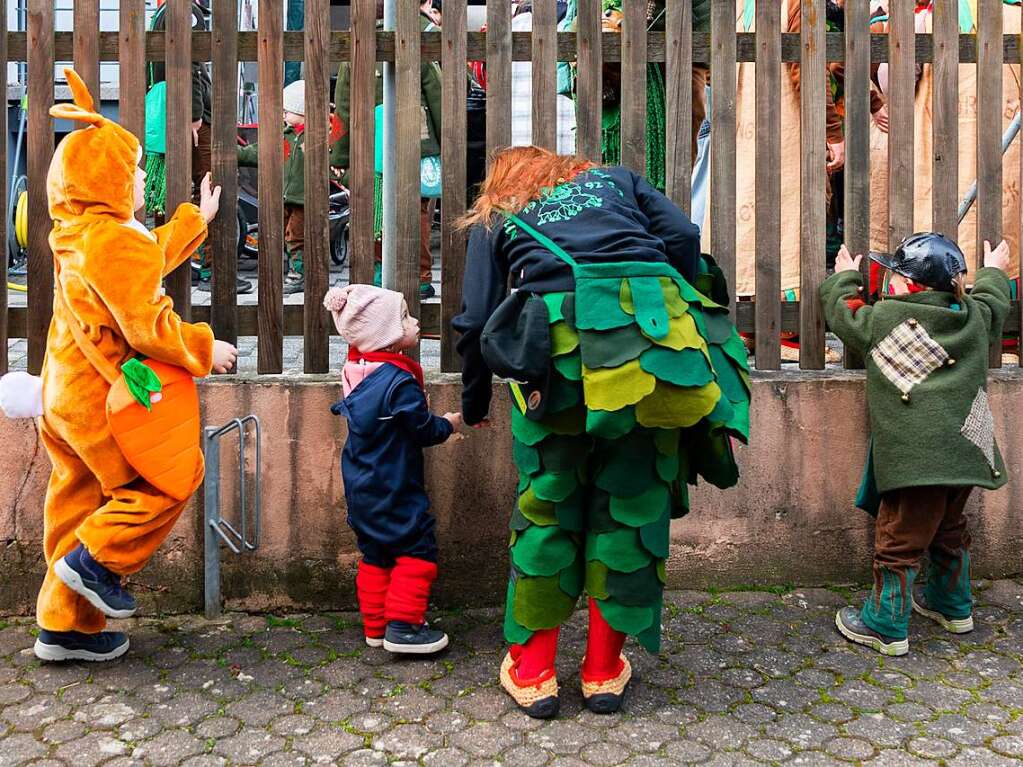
(389, 424)
(602, 215)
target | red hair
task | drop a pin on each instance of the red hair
(518, 176)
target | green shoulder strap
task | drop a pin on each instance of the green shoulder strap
(543, 239)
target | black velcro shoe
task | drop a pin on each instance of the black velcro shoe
(84, 575)
(851, 626)
(406, 639)
(74, 645)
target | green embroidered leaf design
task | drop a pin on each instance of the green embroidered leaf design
(141, 381)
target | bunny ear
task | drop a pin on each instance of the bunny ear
(83, 109)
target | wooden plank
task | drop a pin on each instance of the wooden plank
(989, 135)
(409, 116)
(989, 126)
(179, 136)
(224, 145)
(857, 139)
(40, 150)
(248, 326)
(453, 167)
(633, 91)
(902, 87)
(768, 187)
(132, 71)
(4, 220)
(813, 212)
(545, 75)
(722, 138)
(678, 152)
(361, 140)
(945, 125)
(86, 43)
(316, 256)
(271, 188)
(588, 81)
(521, 47)
(498, 56)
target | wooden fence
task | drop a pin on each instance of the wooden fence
(322, 49)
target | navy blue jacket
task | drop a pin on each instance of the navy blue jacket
(389, 424)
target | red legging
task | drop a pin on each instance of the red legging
(603, 651)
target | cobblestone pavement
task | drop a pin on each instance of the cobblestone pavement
(744, 678)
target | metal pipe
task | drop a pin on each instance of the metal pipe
(390, 191)
(1007, 138)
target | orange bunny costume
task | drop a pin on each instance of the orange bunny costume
(109, 271)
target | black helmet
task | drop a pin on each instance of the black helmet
(927, 258)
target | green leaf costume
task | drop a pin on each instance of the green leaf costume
(648, 386)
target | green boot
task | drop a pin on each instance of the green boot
(887, 610)
(946, 599)
(378, 274)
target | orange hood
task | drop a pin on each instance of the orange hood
(92, 173)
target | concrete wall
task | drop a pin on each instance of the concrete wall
(791, 520)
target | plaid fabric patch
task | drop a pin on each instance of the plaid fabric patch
(908, 355)
(979, 427)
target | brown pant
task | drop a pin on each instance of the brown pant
(916, 519)
(701, 77)
(294, 234)
(202, 158)
(425, 254)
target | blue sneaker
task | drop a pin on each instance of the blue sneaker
(84, 575)
(406, 639)
(73, 645)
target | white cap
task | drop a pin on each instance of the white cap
(294, 98)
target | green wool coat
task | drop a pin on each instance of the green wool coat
(927, 361)
(430, 102)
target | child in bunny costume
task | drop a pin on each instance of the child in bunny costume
(389, 424)
(102, 520)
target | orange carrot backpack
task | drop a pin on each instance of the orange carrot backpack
(153, 413)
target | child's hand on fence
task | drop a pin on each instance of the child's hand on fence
(881, 119)
(836, 156)
(225, 356)
(844, 261)
(209, 198)
(455, 419)
(997, 258)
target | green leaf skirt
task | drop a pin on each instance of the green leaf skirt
(630, 423)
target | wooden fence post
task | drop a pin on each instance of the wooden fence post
(768, 187)
(316, 257)
(224, 233)
(40, 150)
(271, 192)
(178, 39)
(453, 168)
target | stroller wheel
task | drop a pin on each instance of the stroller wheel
(339, 248)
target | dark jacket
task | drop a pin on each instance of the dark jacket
(293, 168)
(602, 215)
(929, 417)
(701, 15)
(389, 424)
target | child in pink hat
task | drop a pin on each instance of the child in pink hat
(389, 424)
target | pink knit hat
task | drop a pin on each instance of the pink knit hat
(368, 318)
